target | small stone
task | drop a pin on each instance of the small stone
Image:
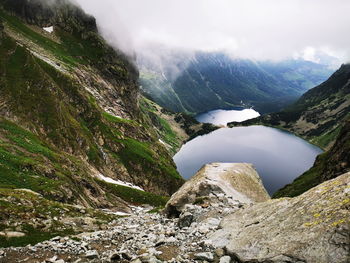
(115, 257)
(219, 252)
(55, 238)
(171, 240)
(225, 259)
(60, 261)
(185, 220)
(11, 234)
(126, 256)
(92, 254)
(51, 260)
(205, 256)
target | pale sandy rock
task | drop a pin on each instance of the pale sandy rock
(238, 182)
(312, 228)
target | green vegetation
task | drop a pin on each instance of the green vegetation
(326, 139)
(199, 86)
(134, 196)
(38, 93)
(33, 237)
(114, 119)
(140, 153)
(22, 160)
(164, 129)
(56, 135)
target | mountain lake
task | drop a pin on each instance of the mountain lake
(278, 156)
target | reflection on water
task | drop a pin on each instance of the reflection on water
(222, 117)
(278, 156)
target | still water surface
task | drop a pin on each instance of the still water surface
(278, 156)
(222, 117)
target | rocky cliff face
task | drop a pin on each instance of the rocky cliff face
(237, 181)
(71, 128)
(52, 12)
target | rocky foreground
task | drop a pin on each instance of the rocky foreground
(223, 214)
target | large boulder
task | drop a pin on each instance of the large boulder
(219, 182)
(313, 227)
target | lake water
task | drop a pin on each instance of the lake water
(222, 117)
(278, 156)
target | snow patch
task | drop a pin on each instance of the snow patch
(118, 182)
(48, 29)
(117, 213)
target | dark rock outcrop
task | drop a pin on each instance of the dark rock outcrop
(52, 12)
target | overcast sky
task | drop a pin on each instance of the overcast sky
(259, 29)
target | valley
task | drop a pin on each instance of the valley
(200, 82)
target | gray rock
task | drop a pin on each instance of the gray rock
(51, 260)
(205, 256)
(219, 252)
(185, 220)
(312, 227)
(92, 254)
(225, 259)
(216, 182)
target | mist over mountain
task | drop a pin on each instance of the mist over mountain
(254, 29)
(203, 81)
(176, 45)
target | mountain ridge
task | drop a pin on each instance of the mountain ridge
(199, 82)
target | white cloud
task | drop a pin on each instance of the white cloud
(259, 29)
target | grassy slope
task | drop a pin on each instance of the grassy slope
(55, 131)
(66, 112)
(174, 129)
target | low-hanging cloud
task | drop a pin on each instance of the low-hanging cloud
(258, 29)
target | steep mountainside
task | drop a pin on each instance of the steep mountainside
(70, 119)
(174, 129)
(205, 81)
(321, 116)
